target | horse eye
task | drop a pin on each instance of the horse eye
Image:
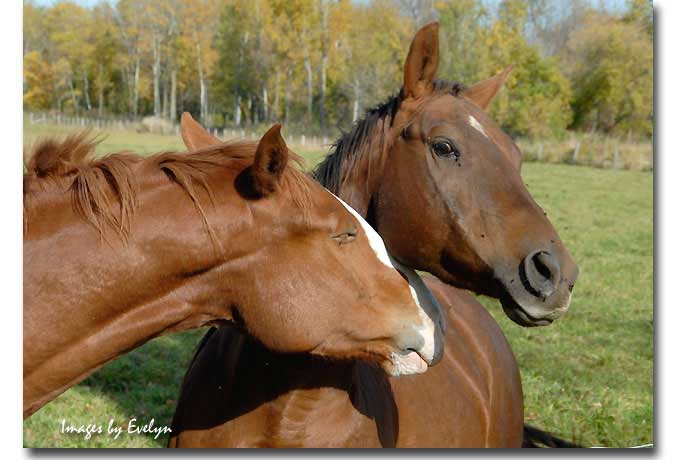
(345, 237)
(444, 149)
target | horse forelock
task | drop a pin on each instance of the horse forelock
(55, 166)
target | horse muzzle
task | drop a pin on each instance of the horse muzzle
(424, 345)
(541, 290)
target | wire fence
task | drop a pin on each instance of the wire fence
(156, 125)
(586, 149)
(593, 150)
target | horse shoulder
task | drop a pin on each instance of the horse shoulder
(473, 398)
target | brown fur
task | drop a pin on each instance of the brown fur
(470, 221)
(86, 303)
(98, 184)
(260, 398)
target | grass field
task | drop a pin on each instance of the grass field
(588, 376)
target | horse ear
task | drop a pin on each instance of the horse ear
(271, 159)
(482, 93)
(422, 61)
(194, 135)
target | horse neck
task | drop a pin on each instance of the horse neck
(362, 164)
(90, 298)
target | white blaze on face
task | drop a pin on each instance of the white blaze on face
(375, 241)
(429, 309)
(474, 123)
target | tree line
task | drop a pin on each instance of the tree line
(317, 64)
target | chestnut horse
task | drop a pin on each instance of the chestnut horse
(123, 249)
(441, 183)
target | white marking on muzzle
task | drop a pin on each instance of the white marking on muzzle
(476, 125)
(429, 309)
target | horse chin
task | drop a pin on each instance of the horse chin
(405, 364)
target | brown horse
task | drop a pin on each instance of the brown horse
(440, 181)
(123, 249)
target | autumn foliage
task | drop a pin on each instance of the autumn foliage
(317, 64)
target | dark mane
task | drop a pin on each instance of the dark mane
(55, 167)
(329, 172)
(332, 171)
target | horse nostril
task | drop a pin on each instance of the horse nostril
(540, 273)
(409, 341)
(540, 263)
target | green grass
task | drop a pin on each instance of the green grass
(143, 384)
(588, 376)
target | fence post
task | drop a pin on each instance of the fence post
(616, 157)
(539, 151)
(303, 140)
(578, 145)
